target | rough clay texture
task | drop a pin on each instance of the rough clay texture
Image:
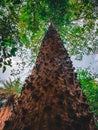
(51, 98)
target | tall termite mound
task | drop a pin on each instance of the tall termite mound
(51, 98)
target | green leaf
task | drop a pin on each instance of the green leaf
(1, 59)
(7, 44)
(4, 69)
(13, 51)
(0, 65)
(25, 39)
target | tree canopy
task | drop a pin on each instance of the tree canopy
(24, 22)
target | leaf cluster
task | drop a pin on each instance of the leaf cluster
(24, 22)
(90, 89)
(10, 88)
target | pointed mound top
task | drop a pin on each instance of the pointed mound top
(52, 56)
(51, 32)
(51, 27)
(52, 43)
(52, 52)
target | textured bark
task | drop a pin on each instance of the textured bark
(6, 111)
(51, 98)
(4, 115)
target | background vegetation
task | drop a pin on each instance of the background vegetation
(24, 22)
(90, 89)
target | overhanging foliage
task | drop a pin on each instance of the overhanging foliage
(24, 22)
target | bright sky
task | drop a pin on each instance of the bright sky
(90, 62)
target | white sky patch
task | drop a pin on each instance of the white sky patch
(88, 62)
(79, 22)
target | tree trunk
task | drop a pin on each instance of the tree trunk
(5, 113)
(51, 98)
